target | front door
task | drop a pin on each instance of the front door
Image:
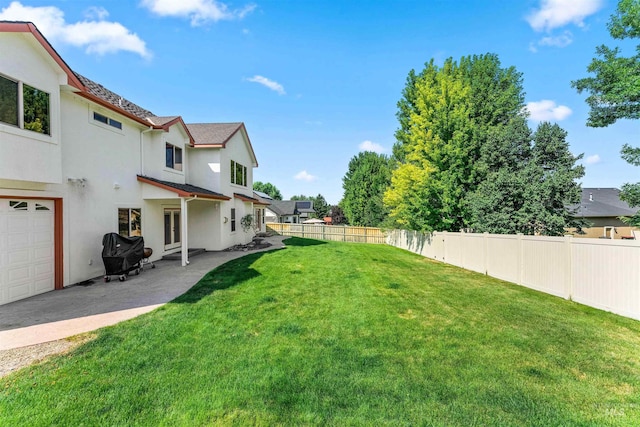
(171, 228)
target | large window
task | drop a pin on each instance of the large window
(35, 106)
(238, 174)
(130, 222)
(174, 157)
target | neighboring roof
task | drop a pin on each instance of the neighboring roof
(291, 207)
(603, 202)
(183, 190)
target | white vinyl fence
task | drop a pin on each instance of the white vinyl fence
(600, 273)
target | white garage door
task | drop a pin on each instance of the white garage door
(26, 248)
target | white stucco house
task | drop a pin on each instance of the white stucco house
(79, 161)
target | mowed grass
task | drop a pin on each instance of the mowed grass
(343, 334)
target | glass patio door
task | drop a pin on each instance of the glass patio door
(172, 228)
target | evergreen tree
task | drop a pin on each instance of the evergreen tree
(364, 185)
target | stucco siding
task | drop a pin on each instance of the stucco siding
(35, 156)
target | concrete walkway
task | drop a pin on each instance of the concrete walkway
(77, 309)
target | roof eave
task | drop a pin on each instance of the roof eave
(182, 193)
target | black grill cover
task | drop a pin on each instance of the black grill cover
(120, 254)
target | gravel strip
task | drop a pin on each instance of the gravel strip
(17, 358)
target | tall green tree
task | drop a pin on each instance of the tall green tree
(321, 206)
(552, 183)
(497, 203)
(268, 188)
(614, 88)
(445, 117)
(364, 184)
(531, 182)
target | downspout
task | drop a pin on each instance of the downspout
(142, 149)
(185, 231)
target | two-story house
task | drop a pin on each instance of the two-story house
(79, 161)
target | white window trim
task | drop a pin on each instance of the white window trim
(104, 126)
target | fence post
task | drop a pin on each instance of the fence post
(485, 238)
(520, 259)
(568, 288)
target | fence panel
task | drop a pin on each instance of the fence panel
(600, 273)
(606, 275)
(546, 264)
(503, 257)
(330, 232)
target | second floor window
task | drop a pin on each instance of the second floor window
(174, 157)
(35, 106)
(238, 174)
(107, 120)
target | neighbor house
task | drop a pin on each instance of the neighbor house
(80, 161)
(602, 209)
(289, 211)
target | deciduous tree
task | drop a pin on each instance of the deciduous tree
(268, 188)
(615, 88)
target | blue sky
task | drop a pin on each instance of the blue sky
(317, 82)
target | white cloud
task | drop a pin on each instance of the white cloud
(371, 146)
(96, 12)
(198, 11)
(275, 86)
(95, 34)
(592, 160)
(558, 41)
(305, 176)
(558, 13)
(547, 110)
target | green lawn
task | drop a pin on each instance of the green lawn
(343, 334)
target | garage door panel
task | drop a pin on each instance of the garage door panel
(17, 275)
(43, 285)
(43, 269)
(27, 248)
(45, 252)
(18, 257)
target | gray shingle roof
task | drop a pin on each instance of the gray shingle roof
(603, 202)
(186, 188)
(291, 207)
(160, 121)
(113, 98)
(212, 133)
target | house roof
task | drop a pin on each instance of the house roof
(216, 135)
(265, 201)
(603, 202)
(183, 190)
(245, 198)
(99, 91)
(262, 195)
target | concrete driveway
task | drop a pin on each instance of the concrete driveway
(77, 309)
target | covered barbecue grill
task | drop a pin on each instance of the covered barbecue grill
(121, 255)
